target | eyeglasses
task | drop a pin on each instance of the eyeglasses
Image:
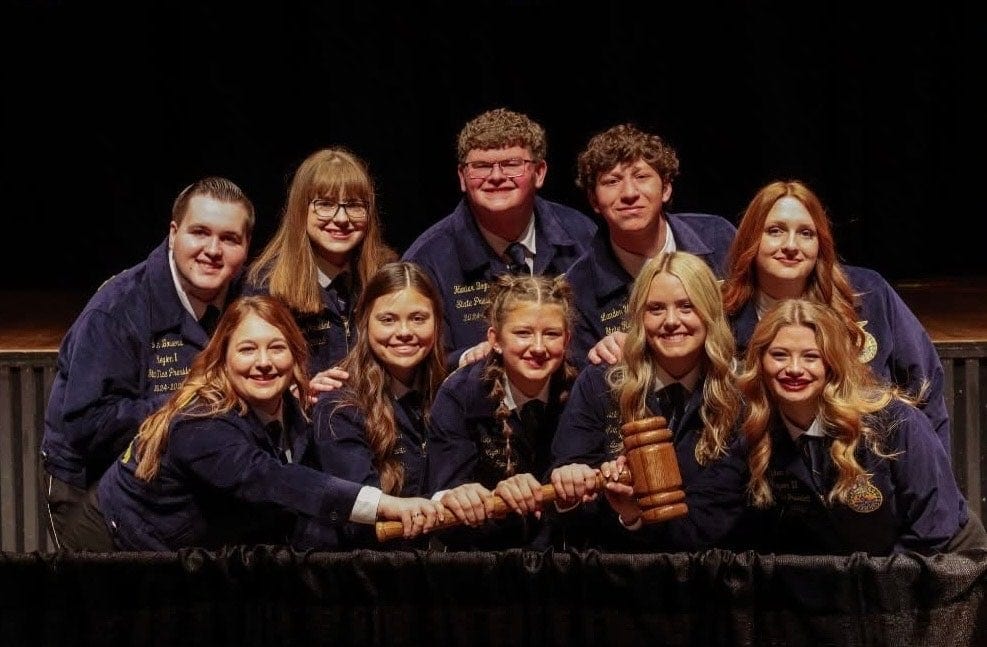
(513, 167)
(355, 211)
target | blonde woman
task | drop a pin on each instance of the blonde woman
(494, 420)
(785, 249)
(676, 363)
(841, 462)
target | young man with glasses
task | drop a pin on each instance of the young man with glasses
(134, 342)
(500, 225)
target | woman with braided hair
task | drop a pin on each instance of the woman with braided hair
(493, 421)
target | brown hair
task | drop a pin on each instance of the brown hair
(501, 128)
(218, 188)
(625, 144)
(506, 294)
(287, 263)
(368, 386)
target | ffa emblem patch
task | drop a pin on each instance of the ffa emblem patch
(863, 496)
(870, 344)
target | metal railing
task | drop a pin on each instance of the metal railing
(965, 367)
(25, 383)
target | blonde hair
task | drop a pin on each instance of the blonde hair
(207, 389)
(633, 378)
(506, 293)
(849, 400)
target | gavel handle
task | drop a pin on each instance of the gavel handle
(387, 530)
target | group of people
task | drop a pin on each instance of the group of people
(474, 388)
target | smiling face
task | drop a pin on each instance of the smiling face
(335, 232)
(209, 246)
(631, 198)
(533, 340)
(401, 331)
(788, 250)
(675, 332)
(795, 373)
(497, 193)
(259, 363)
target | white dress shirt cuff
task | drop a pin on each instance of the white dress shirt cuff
(365, 508)
(634, 526)
(438, 495)
(561, 509)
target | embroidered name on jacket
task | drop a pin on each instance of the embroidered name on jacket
(471, 297)
(167, 364)
(315, 329)
(614, 319)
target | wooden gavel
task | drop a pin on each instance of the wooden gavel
(653, 473)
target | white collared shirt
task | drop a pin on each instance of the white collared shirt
(688, 381)
(764, 303)
(634, 262)
(815, 429)
(514, 399)
(194, 307)
(527, 240)
(326, 280)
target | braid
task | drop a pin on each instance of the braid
(493, 374)
(506, 294)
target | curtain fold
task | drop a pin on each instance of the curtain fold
(271, 595)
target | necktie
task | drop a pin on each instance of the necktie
(521, 451)
(815, 454)
(516, 259)
(274, 431)
(341, 286)
(531, 416)
(671, 399)
(412, 404)
(209, 319)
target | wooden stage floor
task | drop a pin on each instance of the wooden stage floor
(952, 311)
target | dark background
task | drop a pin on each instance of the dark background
(110, 110)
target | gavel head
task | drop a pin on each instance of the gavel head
(654, 469)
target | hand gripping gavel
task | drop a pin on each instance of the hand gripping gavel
(653, 473)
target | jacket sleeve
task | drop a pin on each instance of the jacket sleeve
(581, 436)
(225, 458)
(341, 441)
(915, 362)
(102, 403)
(452, 453)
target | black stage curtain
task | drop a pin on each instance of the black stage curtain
(270, 596)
